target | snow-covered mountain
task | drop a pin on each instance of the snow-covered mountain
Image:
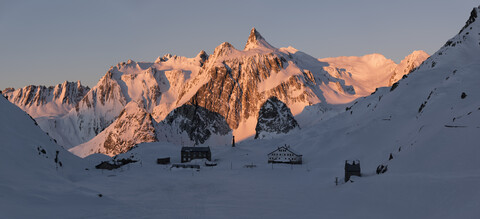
(366, 73)
(134, 125)
(37, 174)
(428, 121)
(233, 83)
(41, 101)
(23, 140)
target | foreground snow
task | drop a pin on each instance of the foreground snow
(230, 190)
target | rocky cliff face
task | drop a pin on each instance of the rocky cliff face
(274, 117)
(197, 122)
(134, 125)
(41, 101)
(240, 81)
(185, 125)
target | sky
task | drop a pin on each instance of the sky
(48, 42)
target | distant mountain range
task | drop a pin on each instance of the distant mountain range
(231, 83)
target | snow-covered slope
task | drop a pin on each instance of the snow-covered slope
(37, 175)
(428, 119)
(23, 140)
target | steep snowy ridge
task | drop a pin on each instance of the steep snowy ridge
(432, 114)
(36, 172)
(41, 101)
(408, 65)
(460, 46)
(255, 40)
(39, 175)
(22, 139)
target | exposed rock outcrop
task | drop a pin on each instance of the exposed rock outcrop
(199, 123)
(274, 117)
(40, 101)
(134, 125)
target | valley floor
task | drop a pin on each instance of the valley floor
(230, 190)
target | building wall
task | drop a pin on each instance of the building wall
(284, 156)
(188, 156)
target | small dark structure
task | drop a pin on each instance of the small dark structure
(110, 165)
(105, 165)
(191, 153)
(210, 163)
(382, 169)
(165, 160)
(181, 165)
(352, 168)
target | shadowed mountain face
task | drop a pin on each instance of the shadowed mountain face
(199, 123)
(274, 117)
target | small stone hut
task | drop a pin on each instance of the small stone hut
(352, 168)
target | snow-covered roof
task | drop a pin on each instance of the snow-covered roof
(199, 149)
(286, 148)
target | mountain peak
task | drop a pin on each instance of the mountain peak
(255, 40)
(417, 53)
(471, 19)
(223, 49)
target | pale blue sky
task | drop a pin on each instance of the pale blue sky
(48, 42)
